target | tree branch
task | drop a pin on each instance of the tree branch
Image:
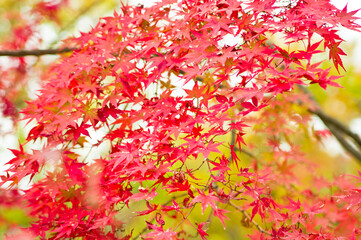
(341, 133)
(344, 143)
(337, 124)
(349, 140)
(34, 52)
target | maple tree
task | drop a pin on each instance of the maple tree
(173, 95)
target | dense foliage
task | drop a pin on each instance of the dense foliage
(170, 94)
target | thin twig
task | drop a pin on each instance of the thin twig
(248, 153)
(232, 143)
(185, 218)
(249, 218)
(146, 228)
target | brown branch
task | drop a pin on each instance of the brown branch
(340, 131)
(344, 143)
(332, 121)
(34, 52)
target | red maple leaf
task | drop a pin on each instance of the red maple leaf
(201, 232)
(206, 200)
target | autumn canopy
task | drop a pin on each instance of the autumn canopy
(199, 108)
